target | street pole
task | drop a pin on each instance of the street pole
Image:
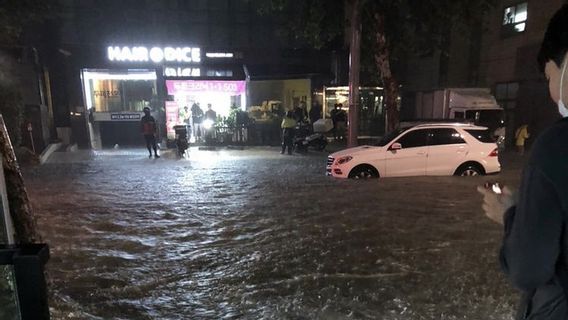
(354, 67)
(31, 137)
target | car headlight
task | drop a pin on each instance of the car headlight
(343, 160)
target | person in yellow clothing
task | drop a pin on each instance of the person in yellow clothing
(288, 127)
(521, 135)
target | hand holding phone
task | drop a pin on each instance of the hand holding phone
(496, 200)
(495, 187)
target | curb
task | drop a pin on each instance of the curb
(44, 156)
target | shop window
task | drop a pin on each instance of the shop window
(219, 73)
(119, 91)
(514, 19)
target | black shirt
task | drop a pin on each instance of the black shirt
(535, 229)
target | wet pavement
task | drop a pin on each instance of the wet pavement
(252, 234)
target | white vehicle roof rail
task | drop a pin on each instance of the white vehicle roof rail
(446, 124)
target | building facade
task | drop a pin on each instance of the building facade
(109, 59)
(498, 52)
(508, 64)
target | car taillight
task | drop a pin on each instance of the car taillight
(494, 153)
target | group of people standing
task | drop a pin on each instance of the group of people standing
(197, 117)
(292, 118)
(300, 115)
(149, 128)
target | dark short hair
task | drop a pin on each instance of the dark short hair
(555, 42)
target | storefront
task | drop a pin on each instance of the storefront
(165, 79)
(218, 95)
(371, 107)
(115, 100)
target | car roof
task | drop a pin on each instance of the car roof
(463, 125)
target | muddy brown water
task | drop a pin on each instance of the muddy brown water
(251, 234)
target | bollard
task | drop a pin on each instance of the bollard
(31, 136)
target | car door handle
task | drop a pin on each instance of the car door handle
(421, 153)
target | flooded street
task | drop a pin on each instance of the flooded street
(251, 234)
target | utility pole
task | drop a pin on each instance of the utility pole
(354, 67)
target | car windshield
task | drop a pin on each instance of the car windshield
(390, 136)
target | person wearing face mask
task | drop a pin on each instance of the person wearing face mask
(534, 252)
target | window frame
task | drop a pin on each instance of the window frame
(509, 29)
(431, 137)
(426, 133)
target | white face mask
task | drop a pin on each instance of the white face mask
(561, 106)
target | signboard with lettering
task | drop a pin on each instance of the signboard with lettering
(117, 116)
(154, 54)
(125, 116)
(172, 118)
(182, 72)
(212, 86)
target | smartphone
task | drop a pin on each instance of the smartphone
(496, 187)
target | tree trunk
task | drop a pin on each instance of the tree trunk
(382, 60)
(354, 68)
(20, 207)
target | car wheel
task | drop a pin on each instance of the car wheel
(363, 172)
(469, 171)
(321, 146)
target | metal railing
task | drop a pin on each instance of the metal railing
(28, 263)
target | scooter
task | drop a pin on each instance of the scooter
(305, 139)
(182, 141)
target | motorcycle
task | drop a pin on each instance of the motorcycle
(181, 141)
(305, 139)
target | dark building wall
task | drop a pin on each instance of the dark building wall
(454, 64)
(509, 60)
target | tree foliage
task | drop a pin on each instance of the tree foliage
(308, 23)
(392, 31)
(412, 27)
(15, 15)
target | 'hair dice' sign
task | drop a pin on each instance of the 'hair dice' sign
(154, 54)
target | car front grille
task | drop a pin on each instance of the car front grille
(330, 161)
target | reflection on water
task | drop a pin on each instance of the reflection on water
(258, 235)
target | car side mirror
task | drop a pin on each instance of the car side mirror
(395, 146)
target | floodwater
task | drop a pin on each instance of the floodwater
(251, 234)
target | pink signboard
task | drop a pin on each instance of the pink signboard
(172, 118)
(234, 88)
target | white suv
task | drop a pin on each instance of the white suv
(436, 149)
